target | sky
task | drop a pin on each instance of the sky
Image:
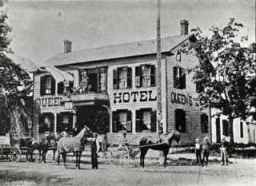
(40, 27)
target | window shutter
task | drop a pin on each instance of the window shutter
(42, 85)
(138, 76)
(138, 120)
(52, 86)
(115, 79)
(129, 77)
(153, 121)
(153, 75)
(114, 121)
(175, 70)
(183, 78)
(129, 121)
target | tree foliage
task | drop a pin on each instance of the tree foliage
(226, 73)
(15, 86)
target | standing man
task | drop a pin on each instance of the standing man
(205, 150)
(198, 151)
(95, 147)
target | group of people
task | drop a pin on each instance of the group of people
(202, 151)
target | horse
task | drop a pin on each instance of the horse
(43, 146)
(72, 144)
(147, 143)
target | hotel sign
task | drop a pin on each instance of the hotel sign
(49, 101)
(134, 96)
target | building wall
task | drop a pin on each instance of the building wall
(190, 104)
(193, 127)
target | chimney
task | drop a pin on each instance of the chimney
(184, 27)
(67, 46)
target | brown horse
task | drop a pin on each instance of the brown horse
(164, 145)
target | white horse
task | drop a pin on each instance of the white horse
(72, 144)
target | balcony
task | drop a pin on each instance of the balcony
(88, 98)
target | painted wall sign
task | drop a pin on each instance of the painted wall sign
(179, 98)
(49, 101)
(134, 96)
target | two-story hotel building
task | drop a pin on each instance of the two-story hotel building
(113, 89)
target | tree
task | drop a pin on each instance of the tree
(225, 76)
(15, 86)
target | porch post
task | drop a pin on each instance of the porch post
(55, 124)
(133, 121)
(74, 120)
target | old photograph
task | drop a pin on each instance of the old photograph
(127, 92)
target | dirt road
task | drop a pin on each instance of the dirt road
(240, 173)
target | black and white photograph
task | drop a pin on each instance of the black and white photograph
(127, 92)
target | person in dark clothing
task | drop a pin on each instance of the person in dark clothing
(205, 150)
(94, 151)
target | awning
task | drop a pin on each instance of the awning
(59, 75)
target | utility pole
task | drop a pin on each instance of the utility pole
(158, 57)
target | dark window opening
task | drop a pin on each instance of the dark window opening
(145, 120)
(64, 121)
(204, 123)
(225, 125)
(180, 120)
(46, 122)
(122, 121)
(241, 130)
(179, 78)
(60, 88)
(47, 85)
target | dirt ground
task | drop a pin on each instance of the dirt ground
(241, 172)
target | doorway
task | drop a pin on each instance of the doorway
(94, 117)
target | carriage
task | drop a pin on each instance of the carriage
(7, 152)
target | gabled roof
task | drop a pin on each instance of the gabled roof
(25, 63)
(131, 49)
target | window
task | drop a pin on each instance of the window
(93, 80)
(225, 127)
(122, 78)
(179, 78)
(145, 120)
(46, 122)
(204, 123)
(145, 76)
(64, 121)
(180, 120)
(122, 120)
(61, 88)
(241, 130)
(47, 85)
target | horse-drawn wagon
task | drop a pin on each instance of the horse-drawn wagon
(6, 150)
